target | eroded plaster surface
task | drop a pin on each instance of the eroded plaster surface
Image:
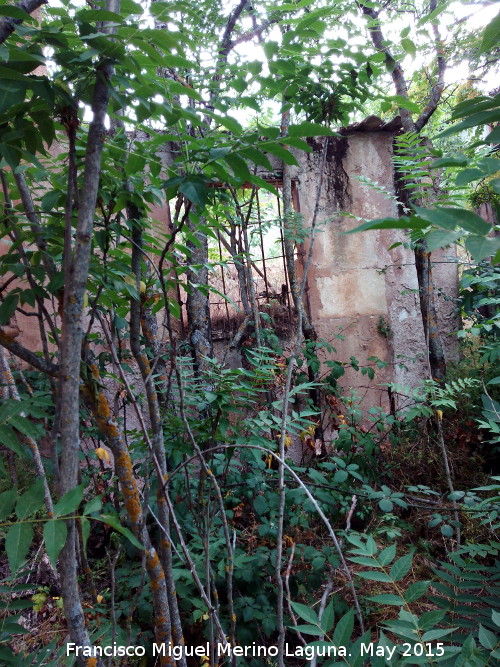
(363, 287)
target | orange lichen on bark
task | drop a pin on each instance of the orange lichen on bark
(101, 411)
(130, 491)
(102, 414)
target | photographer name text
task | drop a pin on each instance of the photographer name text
(323, 650)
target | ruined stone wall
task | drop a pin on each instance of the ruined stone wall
(357, 285)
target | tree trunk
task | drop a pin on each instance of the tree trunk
(423, 265)
(198, 304)
(76, 276)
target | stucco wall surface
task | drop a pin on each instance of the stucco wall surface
(358, 285)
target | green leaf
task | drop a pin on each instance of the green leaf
(93, 505)
(7, 502)
(25, 426)
(450, 218)
(431, 618)
(493, 137)
(449, 162)
(387, 598)
(261, 183)
(487, 638)
(195, 189)
(409, 46)
(257, 157)
(328, 618)
(387, 555)
(416, 590)
(11, 154)
(10, 440)
(375, 576)
(343, 629)
(14, 12)
(432, 635)
(113, 521)
(129, 7)
(390, 223)
(94, 15)
(8, 307)
(481, 118)
(489, 165)
(229, 123)
(308, 129)
(401, 567)
(386, 505)
(54, 535)
(402, 629)
(439, 238)
(177, 88)
(491, 36)
(31, 501)
(405, 103)
(11, 93)
(481, 247)
(364, 560)
(13, 628)
(340, 476)
(495, 616)
(85, 523)
(281, 153)
(307, 629)
(50, 200)
(69, 502)
(306, 613)
(135, 164)
(17, 542)
(468, 175)
(296, 142)
(238, 166)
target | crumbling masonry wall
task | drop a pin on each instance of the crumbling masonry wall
(357, 285)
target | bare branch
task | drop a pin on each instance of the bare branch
(7, 340)
(252, 34)
(226, 45)
(436, 91)
(392, 65)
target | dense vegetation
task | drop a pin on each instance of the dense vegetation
(146, 494)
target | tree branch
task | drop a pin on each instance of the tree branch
(251, 34)
(392, 65)
(226, 45)
(7, 340)
(436, 90)
(8, 24)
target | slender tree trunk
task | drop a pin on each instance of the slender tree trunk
(198, 304)
(110, 431)
(423, 265)
(76, 276)
(289, 250)
(158, 443)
